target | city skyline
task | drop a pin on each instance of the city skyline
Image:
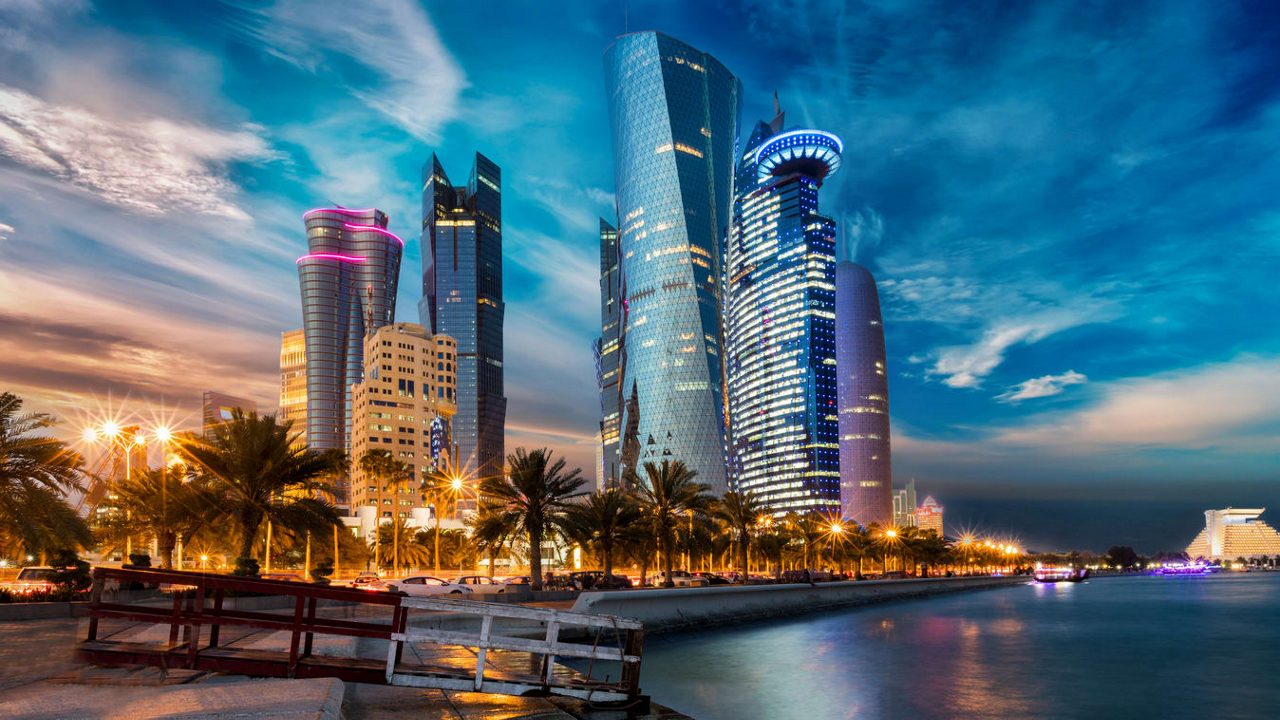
(1075, 296)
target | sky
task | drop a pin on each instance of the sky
(1070, 208)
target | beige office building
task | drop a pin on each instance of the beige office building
(404, 405)
(293, 381)
(1233, 533)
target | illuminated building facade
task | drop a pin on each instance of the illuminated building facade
(293, 382)
(929, 516)
(673, 113)
(349, 280)
(462, 298)
(404, 406)
(1234, 533)
(609, 357)
(780, 322)
(217, 408)
(866, 475)
(904, 505)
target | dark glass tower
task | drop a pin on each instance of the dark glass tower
(609, 359)
(349, 280)
(673, 111)
(462, 298)
(866, 476)
(780, 322)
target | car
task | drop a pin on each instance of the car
(483, 584)
(683, 578)
(287, 577)
(425, 586)
(714, 579)
(367, 581)
(35, 578)
(596, 580)
(517, 580)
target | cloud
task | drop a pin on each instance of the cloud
(1043, 386)
(6, 231)
(965, 366)
(151, 166)
(1231, 404)
(419, 82)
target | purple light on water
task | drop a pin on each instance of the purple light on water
(331, 256)
(374, 228)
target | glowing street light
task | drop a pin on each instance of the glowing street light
(163, 434)
(110, 429)
(89, 435)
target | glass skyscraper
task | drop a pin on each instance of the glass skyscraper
(609, 360)
(462, 298)
(780, 322)
(673, 112)
(349, 280)
(866, 474)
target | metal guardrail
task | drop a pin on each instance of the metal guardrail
(628, 632)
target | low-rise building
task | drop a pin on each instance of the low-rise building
(1234, 533)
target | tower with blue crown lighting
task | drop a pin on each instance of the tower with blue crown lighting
(780, 267)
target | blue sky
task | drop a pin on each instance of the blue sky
(1071, 209)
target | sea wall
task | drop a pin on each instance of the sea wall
(682, 608)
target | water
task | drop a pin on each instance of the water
(1128, 647)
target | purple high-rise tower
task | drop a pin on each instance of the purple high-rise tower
(866, 490)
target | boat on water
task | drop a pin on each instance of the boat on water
(1190, 568)
(1056, 574)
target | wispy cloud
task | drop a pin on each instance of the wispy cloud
(152, 166)
(6, 231)
(965, 366)
(1043, 386)
(418, 82)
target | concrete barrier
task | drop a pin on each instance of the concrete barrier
(680, 608)
(39, 610)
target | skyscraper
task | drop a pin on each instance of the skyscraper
(865, 471)
(217, 408)
(673, 112)
(780, 322)
(462, 298)
(929, 516)
(293, 381)
(349, 280)
(609, 355)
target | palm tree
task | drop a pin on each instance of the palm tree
(438, 485)
(807, 529)
(667, 493)
(36, 473)
(740, 512)
(389, 474)
(256, 474)
(490, 534)
(158, 502)
(532, 498)
(396, 537)
(600, 522)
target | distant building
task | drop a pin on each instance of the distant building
(673, 112)
(219, 408)
(780, 321)
(904, 505)
(929, 516)
(348, 280)
(1233, 533)
(609, 357)
(404, 405)
(866, 474)
(293, 382)
(462, 298)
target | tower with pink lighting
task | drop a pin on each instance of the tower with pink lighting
(348, 280)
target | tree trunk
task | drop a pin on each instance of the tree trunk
(166, 541)
(249, 524)
(667, 542)
(742, 559)
(606, 550)
(535, 560)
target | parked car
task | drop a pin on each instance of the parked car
(367, 581)
(596, 580)
(36, 578)
(287, 577)
(683, 578)
(517, 580)
(482, 584)
(425, 585)
(713, 579)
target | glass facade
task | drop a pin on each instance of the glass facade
(349, 280)
(673, 113)
(865, 470)
(462, 298)
(780, 322)
(609, 359)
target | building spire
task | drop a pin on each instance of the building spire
(778, 121)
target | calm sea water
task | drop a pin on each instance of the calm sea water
(1129, 647)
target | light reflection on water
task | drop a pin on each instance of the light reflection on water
(1132, 647)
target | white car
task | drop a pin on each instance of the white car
(426, 585)
(483, 585)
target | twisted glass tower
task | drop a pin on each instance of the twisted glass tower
(673, 111)
(462, 298)
(780, 322)
(609, 360)
(348, 280)
(865, 473)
